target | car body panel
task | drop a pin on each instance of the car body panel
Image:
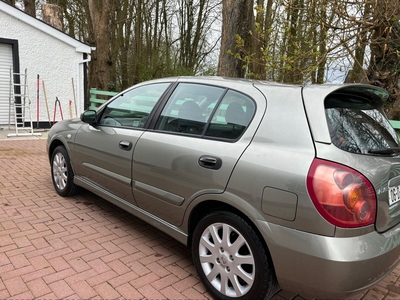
(280, 158)
(173, 167)
(330, 267)
(100, 158)
(262, 178)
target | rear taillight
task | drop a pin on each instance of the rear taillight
(343, 196)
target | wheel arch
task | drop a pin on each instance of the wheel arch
(209, 206)
(54, 144)
(59, 142)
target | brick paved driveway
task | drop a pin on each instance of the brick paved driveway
(83, 247)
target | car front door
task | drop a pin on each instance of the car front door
(198, 138)
(104, 150)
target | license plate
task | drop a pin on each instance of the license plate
(394, 194)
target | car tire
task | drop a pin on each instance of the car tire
(62, 174)
(230, 259)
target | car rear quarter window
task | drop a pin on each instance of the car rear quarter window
(358, 125)
(232, 116)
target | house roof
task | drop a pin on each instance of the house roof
(40, 25)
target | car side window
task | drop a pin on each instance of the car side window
(132, 108)
(232, 116)
(188, 109)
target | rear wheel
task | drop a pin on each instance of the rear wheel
(230, 258)
(62, 173)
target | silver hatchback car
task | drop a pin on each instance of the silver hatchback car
(271, 185)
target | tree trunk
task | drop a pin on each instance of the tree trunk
(384, 65)
(237, 19)
(259, 43)
(30, 7)
(52, 15)
(322, 45)
(99, 11)
(357, 74)
(11, 2)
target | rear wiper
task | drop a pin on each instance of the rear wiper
(385, 150)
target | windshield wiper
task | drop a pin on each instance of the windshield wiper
(393, 150)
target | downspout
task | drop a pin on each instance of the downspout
(80, 106)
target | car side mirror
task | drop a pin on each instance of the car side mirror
(89, 116)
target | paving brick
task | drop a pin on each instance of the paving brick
(39, 262)
(77, 254)
(24, 295)
(18, 251)
(56, 243)
(15, 273)
(57, 253)
(144, 280)
(4, 294)
(79, 265)
(81, 276)
(22, 241)
(38, 287)
(99, 266)
(61, 289)
(95, 255)
(59, 275)
(128, 292)
(119, 267)
(58, 263)
(15, 286)
(185, 284)
(114, 256)
(150, 292)
(84, 290)
(123, 279)
(191, 293)
(178, 271)
(138, 268)
(170, 293)
(38, 274)
(101, 278)
(4, 259)
(6, 240)
(19, 261)
(165, 281)
(105, 290)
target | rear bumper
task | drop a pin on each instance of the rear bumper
(330, 267)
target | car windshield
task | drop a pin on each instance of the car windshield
(359, 125)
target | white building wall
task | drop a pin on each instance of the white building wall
(56, 62)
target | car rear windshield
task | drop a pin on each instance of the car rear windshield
(358, 125)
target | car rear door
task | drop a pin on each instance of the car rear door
(192, 150)
(103, 151)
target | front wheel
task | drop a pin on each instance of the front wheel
(230, 259)
(62, 173)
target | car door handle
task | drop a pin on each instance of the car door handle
(210, 162)
(125, 145)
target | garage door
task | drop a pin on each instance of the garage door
(5, 65)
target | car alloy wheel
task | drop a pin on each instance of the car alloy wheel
(230, 258)
(62, 172)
